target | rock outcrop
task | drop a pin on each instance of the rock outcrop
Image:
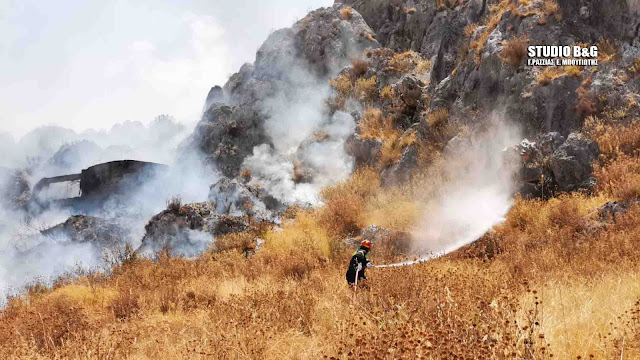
(227, 135)
(554, 164)
(365, 152)
(401, 171)
(612, 210)
(571, 163)
(470, 73)
(233, 198)
(189, 229)
(15, 188)
(316, 47)
(103, 234)
(466, 58)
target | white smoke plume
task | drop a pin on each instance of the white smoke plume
(477, 192)
(52, 150)
(302, 131)
(26, 255)
(275, 167)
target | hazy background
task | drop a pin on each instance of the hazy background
(92, 64)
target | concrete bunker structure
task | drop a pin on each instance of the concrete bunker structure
(100, 182)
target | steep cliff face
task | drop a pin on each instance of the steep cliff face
(478, 53)
(466, 40)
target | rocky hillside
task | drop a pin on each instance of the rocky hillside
(402, 69)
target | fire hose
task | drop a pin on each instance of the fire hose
(402, 264)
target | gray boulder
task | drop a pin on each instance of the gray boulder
(571, 163)
(457, 145)
(551, 164)
(613, 209)
(550, 142)
(231, 197)
(104, 234)
(226, 135)
(403, 170)
(410, 90)
(189, 229)
(364, 151)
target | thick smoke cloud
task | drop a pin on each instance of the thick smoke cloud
(52, 149)
(26, 255)
(476, 193)
(303, 134)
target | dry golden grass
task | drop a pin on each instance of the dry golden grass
(497, 10)
(343, 210)
(423, 67)
(586, 98)
(359, 67)
(549, 74)
(409, 61)
(634, 69)
(551, 8)
(393, 146)
(342, 84)
(346, 13)
(573, 70)
(438, 118)
(578, 314)
(290, 301)
(544, 9)
(393, 209)
(614, 138)
(343, 87)
(366, 90)
(620, 178)
(470, 29)
(619, 170)
(608, 51)
(514, 50)
(303, 233)
(375, 125)
(387, 93)
(246, 174)
(372, 124)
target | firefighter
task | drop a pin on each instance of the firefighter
(358, 263)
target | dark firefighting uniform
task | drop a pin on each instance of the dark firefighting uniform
(357, 265)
